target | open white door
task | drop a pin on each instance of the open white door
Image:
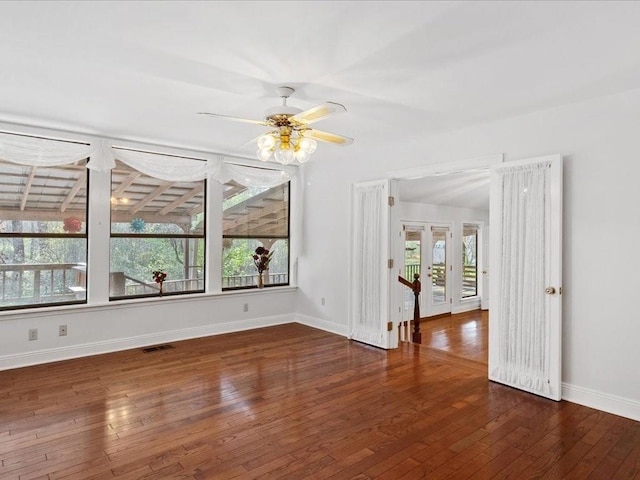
(369, 266)
(525, 315)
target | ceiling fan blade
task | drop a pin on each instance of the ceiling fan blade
(317, 113)
(237, 119)
(328, 137)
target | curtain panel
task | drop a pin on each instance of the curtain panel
(367, 273)
(524, 326)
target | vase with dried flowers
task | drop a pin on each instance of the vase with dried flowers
(159, 277)
(261, 258)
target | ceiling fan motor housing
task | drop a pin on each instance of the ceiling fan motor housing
(281, 113)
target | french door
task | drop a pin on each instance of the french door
(525, 315)
(413, 262)
(436, 275)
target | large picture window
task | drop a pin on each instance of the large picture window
(156, 226)
(43, 234)
(255, 217)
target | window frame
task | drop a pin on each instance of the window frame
(68, 235)
(258, 237)
(182, 236)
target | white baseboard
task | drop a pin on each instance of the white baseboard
(466, 307)
(65, 353)
(623, 407)
(325, 325)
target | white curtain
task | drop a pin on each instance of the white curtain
(168, 167)
(179, 169)
(369, 253)
(252, 176)
(44, 152)
(523, 322)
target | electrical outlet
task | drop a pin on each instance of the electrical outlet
(245, 307)
(322, 301)
(62, 330)
(33, 334)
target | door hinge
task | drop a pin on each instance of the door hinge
(390, 263)
(391, 201)
(389, 326)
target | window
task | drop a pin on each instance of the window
(43, 234)
(469, 261)
(255, 217)
(156, 225)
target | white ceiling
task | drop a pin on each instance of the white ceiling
(404, 70)
(460, 189)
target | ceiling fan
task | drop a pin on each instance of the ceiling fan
(291, 137)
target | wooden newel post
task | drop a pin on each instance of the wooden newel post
(416, 287)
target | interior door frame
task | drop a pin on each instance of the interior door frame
(396, 234)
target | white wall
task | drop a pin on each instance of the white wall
(599, 142)
(422, 212)
(135, 323)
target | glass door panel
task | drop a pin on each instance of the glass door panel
(437, 282)
(412, 265)
(439, 266)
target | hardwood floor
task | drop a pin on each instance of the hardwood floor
(463, 334)
(291, 402)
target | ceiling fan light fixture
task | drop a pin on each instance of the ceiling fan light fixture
(284, 155)
(291, 139)
(264, 154)
(266, 141)
(309, 145)
(302, 156)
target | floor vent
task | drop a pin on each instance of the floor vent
(157, 348)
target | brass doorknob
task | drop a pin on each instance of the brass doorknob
(550, 290)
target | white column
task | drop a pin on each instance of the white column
(213, 240)
(99, 232)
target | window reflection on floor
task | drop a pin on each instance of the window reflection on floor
(463, 334)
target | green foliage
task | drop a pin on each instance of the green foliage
(237, 259)
(140, 257)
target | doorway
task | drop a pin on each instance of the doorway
(440, 210)
(526, 314)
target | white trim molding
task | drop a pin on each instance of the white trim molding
(466, 305)
(623, 407)
(320, 324)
